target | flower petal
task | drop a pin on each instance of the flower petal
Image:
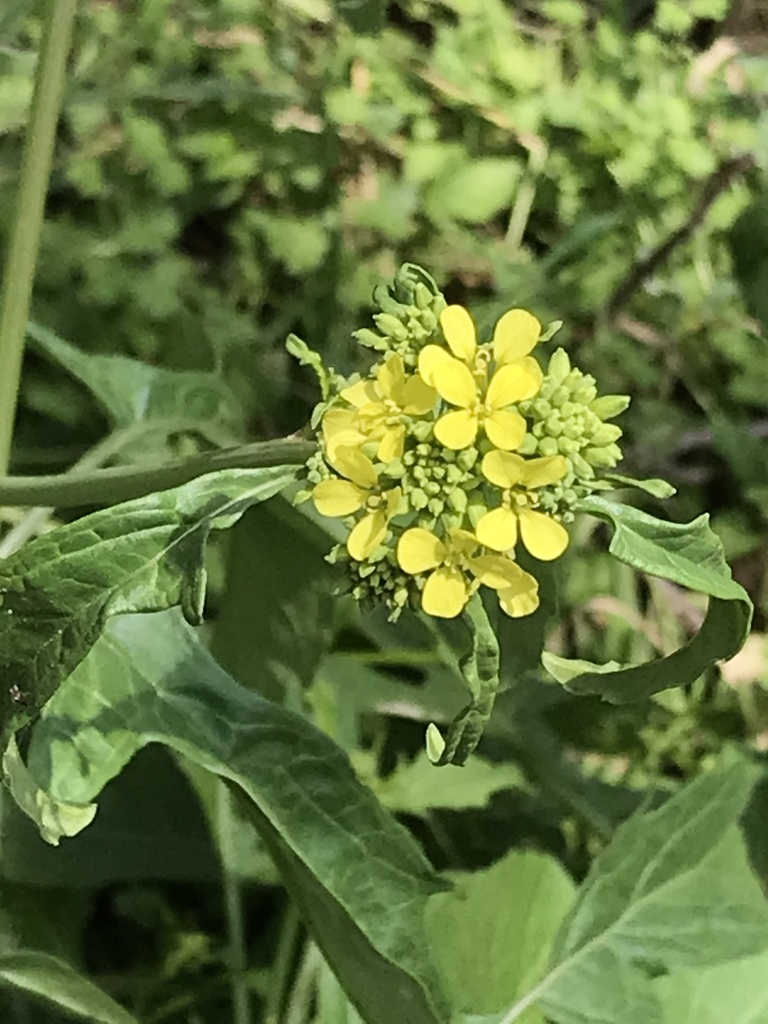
(514, 383)
(496, 571)
(419, 550)
(540, 472)
(542, 535)
(503, 469)
(515, 336)
(336, 421)
(393, 502)
(505, 429)
(335, 498)
(392, 443)
(391, 377)
(459, 330)
(497, 530)
(457, 429)
(462, 541)
(367, 535)
(350, 462)
(520, 599)
(455, 383)
(445, 593)
(417, 397)
(361, 394)
(430, 357)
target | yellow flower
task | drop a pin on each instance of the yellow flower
(479, 406)
(455, 573)
(514, 337)
(382, 404)
(542, 535)
(340, 426)
(339, 498)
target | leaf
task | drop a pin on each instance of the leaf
(674, 890)
(689, 554)
(475, 191)
(365, 17)
(130, 391)
(357, 876)
(145, 555)
(492, 934)
(416, 787)
(655, 487)
(734, 992)
(58, 983)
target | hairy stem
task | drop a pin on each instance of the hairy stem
(28, 220)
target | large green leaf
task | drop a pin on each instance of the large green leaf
(51, 979)
(689, 554)
(358, 878)
(145, 555)
(674, 890)
(492, 934)
(130, 391)
(733, 992)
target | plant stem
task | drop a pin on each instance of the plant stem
(123, 483)
(287, 945)
(28, 220)
(233, 903)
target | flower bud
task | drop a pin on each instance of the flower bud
(418, 499)
(559, 366)
(436, 506)
(606, 434)
(467, 458)
(548, 446)
(390, 325)
(608, 406)
(457, 499)
(600, 458)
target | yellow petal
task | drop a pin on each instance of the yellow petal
(456, 429)
(335, 498)
(445, 593)
(542, 535)
(392, 443)
(503, 469)
(371, 418)
(361, 394)
(353, 464)
(430, 357)
(540, 472)
(419, 550)
(459, 330)
(515, 336)
(514, 383)
(417, 397)
(367, 535)
(522, 598)
(505, 429)
(336, 421)
(497, 530)
(496, 571)
(393, 502)
(455, 383)
(462, 541)
(391, 377)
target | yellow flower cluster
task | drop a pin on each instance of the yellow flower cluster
(423, 467)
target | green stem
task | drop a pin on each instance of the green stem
(123, 483)
(287, 945)
(28, 221)
(226, 824)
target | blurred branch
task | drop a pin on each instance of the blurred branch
(717, 183)
(30, 205)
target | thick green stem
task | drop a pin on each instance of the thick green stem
(28, 221)
(123, 483)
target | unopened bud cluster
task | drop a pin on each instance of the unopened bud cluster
(452, 452)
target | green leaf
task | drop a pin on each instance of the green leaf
(365, 17)
(689, 554)
(735, 992)
(346, 862)
(475, 191)
(130, 391)
(55, 981)
(492, 935)
(145, 555)
(416, 788)
(655, 487)
(674, 890)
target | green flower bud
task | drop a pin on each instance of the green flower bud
(418, 499)
(419, 473)
(548, 446)
(436, 506)
(542, 408)
(608, 406)
(457, 499)
(422, 296)
(467, 458)
(567, 445)
(585, 394)
(433, 488)
(581, 467)
(559, 366)
(600, 458)
(529, 445)
(554, 425)
(390, 325)
(453, 474)
(424, 450)
(475, 513)
(421, 429)
(606, 434)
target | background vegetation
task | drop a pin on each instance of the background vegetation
(229, 171)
